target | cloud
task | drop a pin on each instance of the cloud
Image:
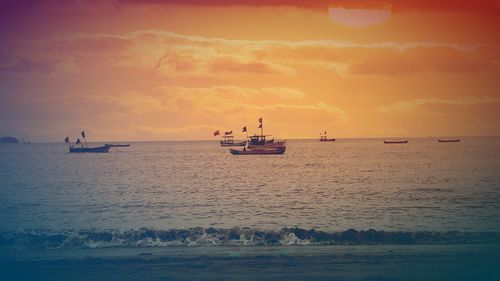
(175, 55)
(230, 65)
(400, 5)
(16, 65)
(409, 106)
(359, 17)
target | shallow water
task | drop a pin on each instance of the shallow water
(353, 183)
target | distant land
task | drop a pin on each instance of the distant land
(8, 139)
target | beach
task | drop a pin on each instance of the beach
(366, 262)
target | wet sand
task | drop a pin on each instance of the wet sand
(382, 262)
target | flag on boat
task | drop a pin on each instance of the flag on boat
(325, 132)
(66, 140)
(216, 133)
(244, 129)
(78, 141)
(228, 133)
(260, 120)
(83, 134)
(260, 125)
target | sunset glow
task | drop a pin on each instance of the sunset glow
(169, 70)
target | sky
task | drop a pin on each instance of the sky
(180, 70)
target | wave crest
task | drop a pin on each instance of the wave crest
(148, 237)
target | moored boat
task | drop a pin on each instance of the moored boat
(99, 149)
(449, 140)
(259, 151)
(324, 138)
(117, 145)
(396, 142)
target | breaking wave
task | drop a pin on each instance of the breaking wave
(147, 237)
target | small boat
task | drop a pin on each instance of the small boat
(324, 138)
(450, 140)
(117, 145)
(100, 149)
(396, 142)
(259, 151)
(229, 141)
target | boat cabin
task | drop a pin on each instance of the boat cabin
(259, 140)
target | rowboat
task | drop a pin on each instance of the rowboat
(117, 145)
(452, 140)
(259, 151)
(100, 149)
(395, 142)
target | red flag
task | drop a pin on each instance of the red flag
(216, 133)
(228, 133)
(260, 125)
(66, 140)
(244, 129)
(78, 141)
(83, 134)
(260, 119)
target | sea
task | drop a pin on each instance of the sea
(159, 198)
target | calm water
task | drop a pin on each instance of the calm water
(361, 184)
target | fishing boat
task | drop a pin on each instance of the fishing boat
(99, 149)
(117, 145)
(396, 142)
(259, 151)
(449, 140)
(324, 138)
(85, 149)
(229, 141)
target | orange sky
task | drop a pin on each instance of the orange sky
(165, 70)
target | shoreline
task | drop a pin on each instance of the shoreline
(333, 262)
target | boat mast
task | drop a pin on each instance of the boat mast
(261, 127)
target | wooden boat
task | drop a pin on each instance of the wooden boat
(259, 151)
(117, 145)
(451, 140)
(229, 141)
(396, 142)
(100, 149)
(324, 138)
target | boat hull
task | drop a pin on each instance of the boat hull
(457, 140)
(395, 142)
(263, 151)
(100, 149)
(118, 145)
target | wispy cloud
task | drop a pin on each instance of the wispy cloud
(409, 106)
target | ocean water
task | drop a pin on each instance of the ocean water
(196, 192)
(355, 209)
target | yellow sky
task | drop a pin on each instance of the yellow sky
(164, 72)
